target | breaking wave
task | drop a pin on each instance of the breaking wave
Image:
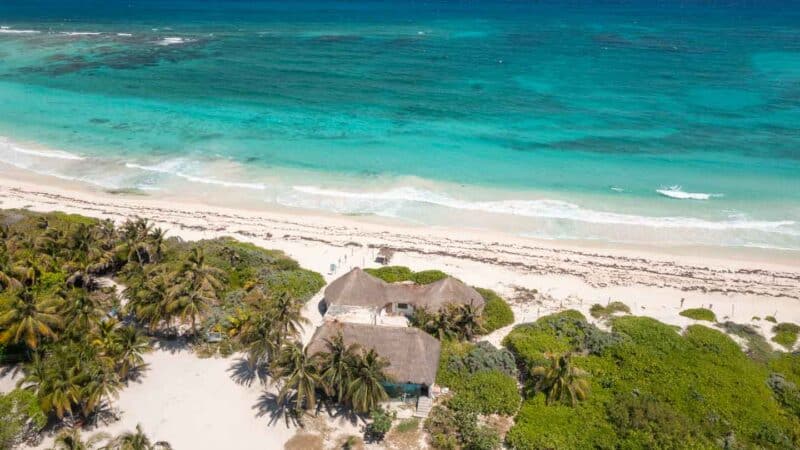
(678, 193)
(545, 208)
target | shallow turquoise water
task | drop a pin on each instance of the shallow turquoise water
(552, 121)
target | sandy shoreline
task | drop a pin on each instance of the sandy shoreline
(771, 274)
(197, 404)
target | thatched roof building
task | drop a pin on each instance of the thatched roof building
(413, 355)
(358, 288)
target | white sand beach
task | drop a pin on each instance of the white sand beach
(197, 404)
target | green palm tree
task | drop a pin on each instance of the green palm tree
(71, 439)
(83, 311)
(189, 303)
(469, 321)
(287, 315)
(56, 385)
(99, 384)
(366, 389)
(130, 348)
(560, 381)
(8, 280)
(137, 440)
(29, 318)
(149, 301)
(298, 373)
(338, 365)
(199, 274)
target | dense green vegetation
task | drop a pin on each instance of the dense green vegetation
(599, 311)
(496, 312)
(650, 387)
(483, 380)
(72, 439)
(786, 334)
(21, 417)
(699, 314)
(79, 344)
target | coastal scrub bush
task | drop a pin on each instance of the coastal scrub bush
(599, 311)
(496, 312)
(562, 332)
(380, 425)
(539, 426)
(451, 430)
(396, 274)
(655, 387)
(786, 334)
(758, 348)
(428, 276)
(771, 319)
(21, 417)
(484, 357)
(391, 274)
(699, 314)
(788, 365)
(487, 392)
(786, 392)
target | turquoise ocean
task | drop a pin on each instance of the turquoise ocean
(655, 122)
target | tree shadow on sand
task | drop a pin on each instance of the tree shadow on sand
(245, 372)
(269, 406)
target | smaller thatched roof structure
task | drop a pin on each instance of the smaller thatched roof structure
(358, 288)
(413, 354)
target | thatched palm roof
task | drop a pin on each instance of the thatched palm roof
(413, 355)
(358, 288)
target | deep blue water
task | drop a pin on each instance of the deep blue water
(554, 119)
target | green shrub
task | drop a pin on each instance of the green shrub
(451, 430)
(496, 312)
(786, 334)
(538, 426)
(788, 365)
(657, 388)
(391, 274)
(699, 314)
(380, 425)
(396, 274)
(599, 311)
(446, 375)
(487, 392)
(567, 331)
(786, 392)
(771, 319)
(758, 348)
(484, 357)
(428, 276)
(21, 414)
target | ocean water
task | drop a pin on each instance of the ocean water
(666, 123)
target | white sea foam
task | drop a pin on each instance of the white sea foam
(124, 34)
(174, 41)
(546, 208)
(678, 193)
(81, 33)
(52, 154)
(172, 168)
(8, 30)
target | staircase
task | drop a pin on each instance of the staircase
(424, 405)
